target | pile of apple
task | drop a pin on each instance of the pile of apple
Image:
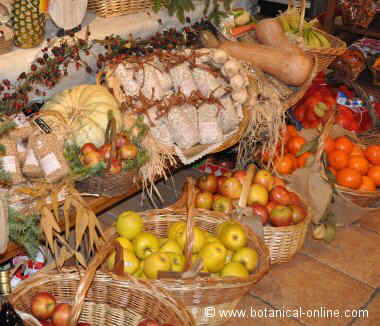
(151, 322)
(267, 196)
(91, 156)
(50, 313)
(224, 254)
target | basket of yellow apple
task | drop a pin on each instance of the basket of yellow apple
(202, 258)
(284, 216)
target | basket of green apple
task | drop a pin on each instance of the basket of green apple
(284, 217)
(204, 259)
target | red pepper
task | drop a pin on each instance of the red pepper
(299, 113)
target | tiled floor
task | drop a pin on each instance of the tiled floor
(341, 278)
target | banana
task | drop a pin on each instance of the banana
(284, 23)
(325, 43)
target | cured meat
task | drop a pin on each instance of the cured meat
(208, 84)
(228, 117)
(163, 77)
(151, 87)
(183, 126)
(183, 79)
(130, 78)
(210, 130)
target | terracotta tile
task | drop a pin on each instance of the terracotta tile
(304, 283)
(355, 251)
(259, 313)
(371, 222)
(370, 315)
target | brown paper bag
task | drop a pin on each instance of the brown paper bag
(10, 162)
(31, 167)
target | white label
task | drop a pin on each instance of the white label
(50, 164)
(20, 121)
(21, 148)
(31, 158)
(9, 164)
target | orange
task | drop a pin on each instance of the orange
(294, 144)
(357, 151)
(329, 144)
(374, 174)
(291, 130)
(372, 153)
(344, 144)
(332, 170)
(358, 163)
(303, 159)
(367, 184)
(337, 159)
(349, 178)
(285, 164)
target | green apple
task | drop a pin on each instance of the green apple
(221, 227)
(234, 270)
(213, 256)
(131, 263)
(173, 229)
(145, 244)
(129, 224)
(177, 262)
(171, 246)
(233, 237)
(229, 255)
(157, 262)
(198, 241)
(248, 257)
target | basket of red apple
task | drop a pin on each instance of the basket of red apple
(111, 169)
(92, 298)
(284, 216)
(204, 259)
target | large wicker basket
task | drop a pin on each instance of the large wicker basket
(112, 8)
(101, 298)
(202, 294)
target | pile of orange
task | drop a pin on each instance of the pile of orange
(289, 161)
(353, 166)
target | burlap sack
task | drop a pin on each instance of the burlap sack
(4, 229)
(10, 162)
(31, 167)
(49, 152)
(21, 147)
(23, 127)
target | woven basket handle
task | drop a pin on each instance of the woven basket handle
(322, 138)
(110, 136)
(246, 185)
(191, 193)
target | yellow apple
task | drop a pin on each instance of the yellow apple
(248, 257)
(177, 262)
(213, 256)
(131, 263)
(264, 178)
(171, 246)
(125, 243)
(221, 227)
(234, 270)
(157, 262)
(210, 237)
(173, 229)
(229, 255)
(129, 224)
(233, 237)
(258, 194)
(198, 238)
(145, 244)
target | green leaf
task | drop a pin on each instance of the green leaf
(311, 146)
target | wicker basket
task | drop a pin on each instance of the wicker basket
(200, 294)
(101, 298)
(112, 8)
(6, 44)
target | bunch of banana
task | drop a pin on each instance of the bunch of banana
(312, 38)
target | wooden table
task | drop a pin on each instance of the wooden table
(97, 204)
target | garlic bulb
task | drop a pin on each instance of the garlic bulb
(240, 95)
(231, 68)
(219, 56)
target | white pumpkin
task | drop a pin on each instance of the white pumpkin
(82, 113)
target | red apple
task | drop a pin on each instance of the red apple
(294, 199)
(148, 322)
(281, 215)
(221, 180)
(128, 152)
(270, 206)
(222, 204)
(116, 166)
(240, 175)
(298, 213)
(105, 151)
(208, 183)
(261, 211)
(257, 194)
(88, 147)
(61, 314)
(46, 323)
(43, 305)
(264, 178)
(280, 195)
(278, 182)
(204, 200)
(121, 140)
(231, 188)
(91, 159)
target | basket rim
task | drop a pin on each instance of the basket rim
(335, 50)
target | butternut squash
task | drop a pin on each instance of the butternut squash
(291, 68)
(269, 32)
